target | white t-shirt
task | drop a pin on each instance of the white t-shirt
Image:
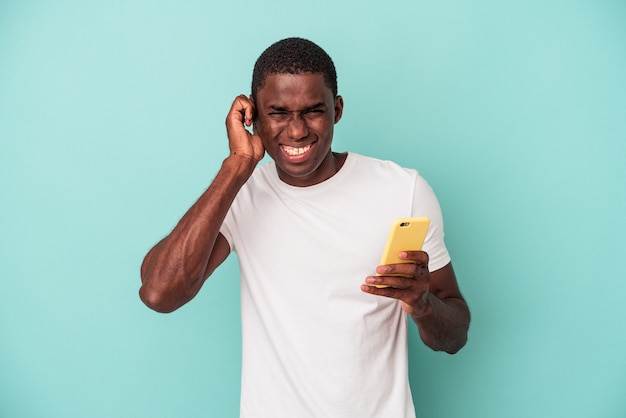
(314, 344)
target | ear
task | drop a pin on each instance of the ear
(338, 108)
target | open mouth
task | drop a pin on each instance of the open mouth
(295, 152)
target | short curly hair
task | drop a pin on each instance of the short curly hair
(294, 56)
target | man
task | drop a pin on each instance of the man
(323, 335)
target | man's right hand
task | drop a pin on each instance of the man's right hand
(242, 143)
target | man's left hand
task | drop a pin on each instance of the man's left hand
(407, 282)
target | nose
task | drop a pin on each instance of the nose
(298, 128)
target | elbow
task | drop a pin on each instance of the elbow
(156, 300)
(155, 297)
(461, 337)
(164, 295)
(458, 346)
(164, 291)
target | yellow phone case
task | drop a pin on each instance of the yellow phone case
(407, 234)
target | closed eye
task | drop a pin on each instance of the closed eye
(314, 111)
(278, 115)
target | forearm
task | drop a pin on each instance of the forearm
(175, 269)
(445, 327)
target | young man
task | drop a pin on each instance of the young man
(321, 336)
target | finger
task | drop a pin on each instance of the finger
(418, 257)
(396, 282)
(408, 296)
(242, 110)
(411, 271)
(403, 295)
(255, 128)
(235, 115)
(252, 114)
(408, 269)
(249, 114)
(388, 292)
(246, 108)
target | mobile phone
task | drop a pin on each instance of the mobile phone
(407, 234)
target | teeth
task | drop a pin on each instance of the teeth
(296, 151)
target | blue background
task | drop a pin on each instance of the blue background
(112, 124)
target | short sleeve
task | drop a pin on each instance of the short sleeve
(225, 229)
(425, 203)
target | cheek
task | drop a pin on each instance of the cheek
(269, 136)
(324, 127)
(267, 143)
(265, 129)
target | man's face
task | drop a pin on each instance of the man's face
(295, 119)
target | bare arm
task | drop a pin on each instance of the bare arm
(174, 270)
(445, 327)
(433, 300)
